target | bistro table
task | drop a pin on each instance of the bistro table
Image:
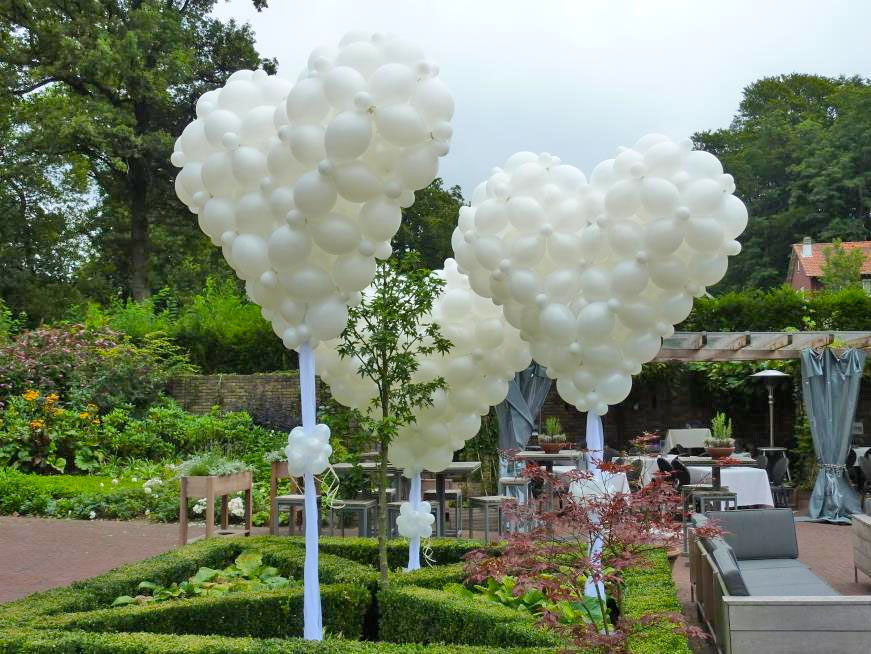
(455, 470)
(649, 467)
(750, 483)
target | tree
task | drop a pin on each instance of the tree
(114, 82)
(388, 333)
(800, 150)
(427, 225)
(842, 268)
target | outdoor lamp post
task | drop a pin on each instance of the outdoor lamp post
(770, 377)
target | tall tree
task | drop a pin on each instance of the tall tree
(796, 148)
(427, 225)
(115, 81)
(842, 267)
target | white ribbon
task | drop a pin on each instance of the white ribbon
(414, 498)
(595, 450)
(312, 620)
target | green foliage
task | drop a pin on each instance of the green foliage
(721, 430)
(842, 267)
(553, 427)
(502, 592)
(75, 620)
(210, 463)
(427, 224)
(246, 574)
(9, 324)
(409, 614)
(105, 88)
(798, 151)
(365, 550)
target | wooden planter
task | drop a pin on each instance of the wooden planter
(719, 452)
(211, 487)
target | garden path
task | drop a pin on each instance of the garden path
(41, 553)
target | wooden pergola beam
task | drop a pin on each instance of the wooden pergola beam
(752, 346)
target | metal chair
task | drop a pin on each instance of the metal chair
(486, 503)
(781, 491)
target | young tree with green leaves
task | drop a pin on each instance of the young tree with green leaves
(114, 82)
(842, 268)
(388, 333)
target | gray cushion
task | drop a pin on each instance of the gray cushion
(698, 520)
(724, 559)
(759, 533)
(795, 579)
(768, 564)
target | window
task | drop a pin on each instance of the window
(866, 285)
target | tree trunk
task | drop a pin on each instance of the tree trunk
(382, 516)
(139, 249)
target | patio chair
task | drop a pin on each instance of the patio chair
(781, 491)
(865, 463)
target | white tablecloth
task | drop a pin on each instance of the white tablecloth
(610, 483)
(685, 438)
(751, 484)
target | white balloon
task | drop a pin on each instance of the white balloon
(348, 136)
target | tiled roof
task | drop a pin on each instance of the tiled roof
(813, 265)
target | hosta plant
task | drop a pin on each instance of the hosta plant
(247, 573)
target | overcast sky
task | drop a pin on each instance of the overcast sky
(578, 78)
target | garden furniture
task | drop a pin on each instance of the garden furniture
(486, 503)
(456, 470)
(750, 484)
(454, 495)
(548, 459)
(861, 527)
(362, 507)
(291, 503)
(210, 487)
(756, 596)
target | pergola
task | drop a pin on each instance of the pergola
(753, 346)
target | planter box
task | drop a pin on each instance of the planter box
(211, 487)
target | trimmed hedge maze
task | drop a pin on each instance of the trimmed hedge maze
(410, 617)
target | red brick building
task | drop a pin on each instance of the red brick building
(806, 264)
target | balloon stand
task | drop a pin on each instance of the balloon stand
(313, 629)
(414, 497)
(595, 450)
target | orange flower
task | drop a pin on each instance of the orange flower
(39, 423)
(31, 395)
(51, 398)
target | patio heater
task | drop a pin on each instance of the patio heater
(771, 377)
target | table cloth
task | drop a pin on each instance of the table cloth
(751, 484)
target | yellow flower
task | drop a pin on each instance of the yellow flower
(84, 415)
(96, 421)
(57, 411)
(92, 408)
(52, 398)
(39, 423)
(31, 395)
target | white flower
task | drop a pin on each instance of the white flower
(147, 490)
(93, 514)
(135, 479)
(101, 484)
(237, 507)
(114, 482)
(200, 506)
(147, 511)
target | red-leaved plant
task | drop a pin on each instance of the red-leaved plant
(549, 551)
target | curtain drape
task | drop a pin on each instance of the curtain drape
(830, 387)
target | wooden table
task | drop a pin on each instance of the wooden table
(548, 458)
(211, 487)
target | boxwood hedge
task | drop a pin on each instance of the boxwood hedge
(405, 618)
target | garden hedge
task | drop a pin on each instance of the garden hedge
(405, 618)
(423, 615)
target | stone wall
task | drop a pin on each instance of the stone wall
(273, 401)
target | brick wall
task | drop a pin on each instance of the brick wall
(273, 401)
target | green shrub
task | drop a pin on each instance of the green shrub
(436, 577)
(422, 615)
(36, 642)
(365, 550)
(261, 615)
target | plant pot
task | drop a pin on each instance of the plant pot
(719, 452)
(552, 448)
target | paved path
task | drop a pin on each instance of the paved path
(41, 553)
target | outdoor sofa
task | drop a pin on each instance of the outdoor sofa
(756, 596)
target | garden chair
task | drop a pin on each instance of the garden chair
(865, 463)
(781, 490)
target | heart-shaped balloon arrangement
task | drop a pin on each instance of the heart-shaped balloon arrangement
(486, 353)
(302, 185)
(595, 274)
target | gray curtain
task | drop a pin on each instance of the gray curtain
(830, 386)
(517, 415)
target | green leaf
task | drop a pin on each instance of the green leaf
(249, 561)
(124, 600)
(147, 585)
(204, 574)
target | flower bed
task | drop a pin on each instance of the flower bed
(412, 611)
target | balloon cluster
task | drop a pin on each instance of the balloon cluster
(308, 454)
(413, 522)
(486, 353)
(594, 274)
(303, 185)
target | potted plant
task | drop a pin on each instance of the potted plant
(721, 444)
(553, 439)
(212, 475)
